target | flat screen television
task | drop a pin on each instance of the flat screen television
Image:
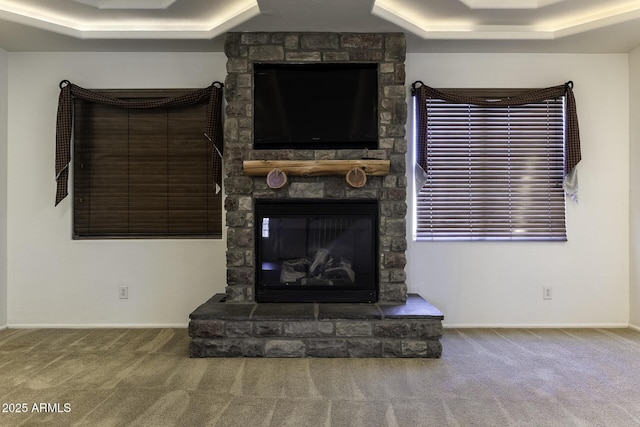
(315, 106)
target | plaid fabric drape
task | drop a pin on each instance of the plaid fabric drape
(213, 129)
(572, 133)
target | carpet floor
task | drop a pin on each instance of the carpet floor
(486, 377)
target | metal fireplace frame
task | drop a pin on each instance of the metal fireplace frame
(288, 293)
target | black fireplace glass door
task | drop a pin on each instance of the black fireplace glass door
(316, 250)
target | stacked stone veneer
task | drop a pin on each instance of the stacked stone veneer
(412, 329)
(245, 49)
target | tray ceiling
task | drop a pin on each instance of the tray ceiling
(436, 25)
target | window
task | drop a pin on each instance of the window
(143, 173)
(492, 172)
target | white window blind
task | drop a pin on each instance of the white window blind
(493, 173)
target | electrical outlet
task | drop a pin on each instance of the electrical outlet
(547, 293)
(124, 292)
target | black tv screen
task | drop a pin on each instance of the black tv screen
(315, 106)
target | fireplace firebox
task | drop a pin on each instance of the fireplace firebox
(316, 250)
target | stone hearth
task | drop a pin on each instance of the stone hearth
(220, 329)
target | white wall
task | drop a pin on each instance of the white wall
(492, 283)
(634, 91)
(3, 188)
(54, 280)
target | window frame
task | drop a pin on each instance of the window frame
(423, 232)
(213, 222)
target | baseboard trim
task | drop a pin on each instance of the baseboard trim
(445, 326)
(98, 326)
(536, 325)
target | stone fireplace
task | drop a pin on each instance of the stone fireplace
(386, 50)
(354, 310)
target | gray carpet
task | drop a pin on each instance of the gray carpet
(486, 377)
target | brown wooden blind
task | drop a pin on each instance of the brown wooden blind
(493, 173)
(143, 173)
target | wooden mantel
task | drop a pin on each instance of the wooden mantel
(315, 167)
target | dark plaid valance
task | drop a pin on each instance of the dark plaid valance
(213, 129)
(572, 133)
